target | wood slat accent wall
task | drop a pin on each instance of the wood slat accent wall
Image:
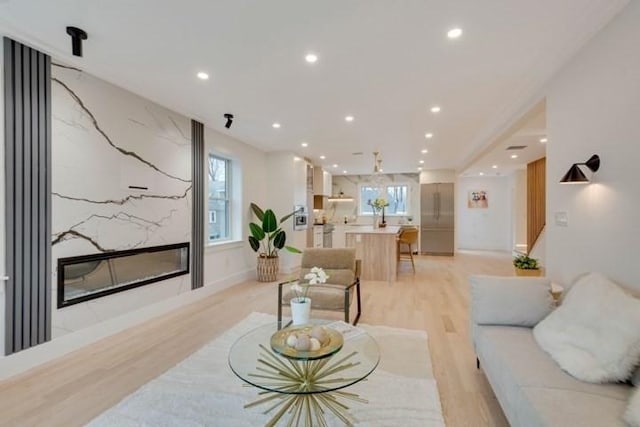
(536, 200)
(27, 98)
(197, 221)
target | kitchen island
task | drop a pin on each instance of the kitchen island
(377, 248)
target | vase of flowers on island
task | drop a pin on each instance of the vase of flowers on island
(378, 206)
(301, 303)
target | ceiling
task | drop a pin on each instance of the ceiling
(386, 63)
(526, 139)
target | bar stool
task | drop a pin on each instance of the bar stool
(408, 236)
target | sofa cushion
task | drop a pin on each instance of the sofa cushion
(632, 414)
(534, 391)
(594, 335)
(516, 301)
(635, 379)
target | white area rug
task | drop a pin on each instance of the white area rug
(203, 391)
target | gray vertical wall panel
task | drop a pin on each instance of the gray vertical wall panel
(28, 187)
(46, 234)
(197, 222)
(18, 190)
(9, 183)
(27, 197)
(35, 195)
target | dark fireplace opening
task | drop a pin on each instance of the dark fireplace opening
(87, 277)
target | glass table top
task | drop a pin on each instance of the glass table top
(252, 359)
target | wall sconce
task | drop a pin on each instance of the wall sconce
(575, 174)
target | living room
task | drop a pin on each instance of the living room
(132, 133)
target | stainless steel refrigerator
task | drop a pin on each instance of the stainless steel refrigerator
(437, 219)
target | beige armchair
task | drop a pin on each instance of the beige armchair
(343, 270)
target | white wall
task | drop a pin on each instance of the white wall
(286, 175)
(484, 228)
(518, 181)
(593, 107)
(229, 263)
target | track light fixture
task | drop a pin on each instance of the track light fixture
(229, 118)
(77, 35)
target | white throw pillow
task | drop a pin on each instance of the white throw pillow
(595, 334)
(632, 414)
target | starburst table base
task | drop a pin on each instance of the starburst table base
(302, 388)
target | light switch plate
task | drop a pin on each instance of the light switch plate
(562, 219)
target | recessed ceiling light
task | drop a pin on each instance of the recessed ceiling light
(543, 140)
(481, 173)
(514, 156)
(454, 33)
(276, 125)
(304, 144)
(419, 168)
(381, 170)
(421, 162)
(428, 135)
(344, 171)
(311, 58)
(203, 76)
(435, 109)
(495, 166)
(349, 118)
(425, 151)
(296, 158)
(335, 165)
(322, 157)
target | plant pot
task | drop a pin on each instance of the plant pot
(268, 269)
(528, 272)
(300, 310)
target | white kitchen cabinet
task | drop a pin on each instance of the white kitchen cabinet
(339, 236)
(321, 182)
(327, 182)
(317, 236)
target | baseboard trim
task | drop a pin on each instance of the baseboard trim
(22, 361)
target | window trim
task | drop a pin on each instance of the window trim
(228, 199)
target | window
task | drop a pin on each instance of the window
(397, 195)
(397, 199)
(219, 203)
(367, 195)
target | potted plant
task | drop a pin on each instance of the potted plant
(267, 238)
(378, 205)
(526, 266)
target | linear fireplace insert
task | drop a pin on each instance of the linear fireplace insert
(87, 277)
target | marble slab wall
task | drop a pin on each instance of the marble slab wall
(106, 140)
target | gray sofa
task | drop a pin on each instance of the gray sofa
(531, 388)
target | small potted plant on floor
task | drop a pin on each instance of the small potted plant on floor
(267, 238)
(526, 266)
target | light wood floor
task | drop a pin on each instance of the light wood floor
(73, 389)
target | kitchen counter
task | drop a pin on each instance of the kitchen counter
(377, 248)
(368, 229)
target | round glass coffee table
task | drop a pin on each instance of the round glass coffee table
(304, 389)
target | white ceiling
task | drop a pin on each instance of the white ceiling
(526, 132)
(384, 62)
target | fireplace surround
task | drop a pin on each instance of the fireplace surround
(86, 277)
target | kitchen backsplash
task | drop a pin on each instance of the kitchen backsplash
(350, 186)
